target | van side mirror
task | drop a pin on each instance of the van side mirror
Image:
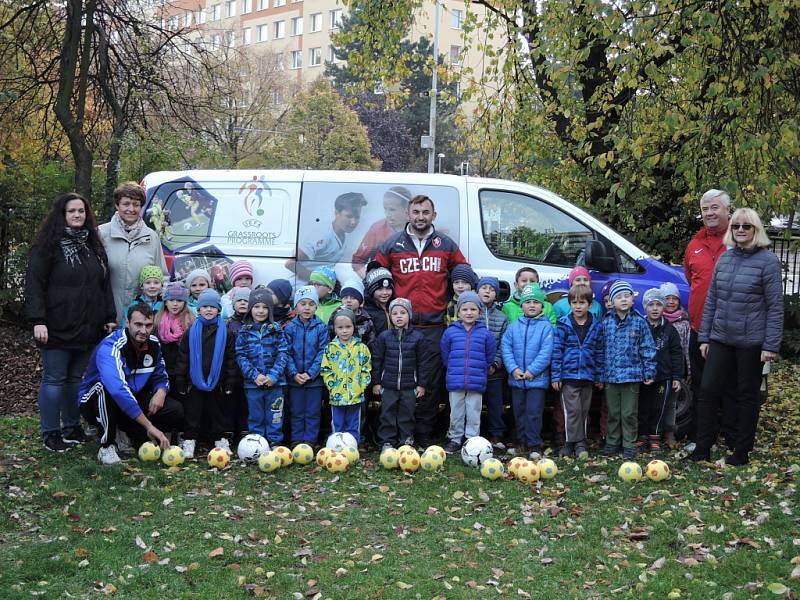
(505, 291)
(599, 257)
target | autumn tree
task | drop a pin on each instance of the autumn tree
(318, 131)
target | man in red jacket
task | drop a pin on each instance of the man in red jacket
(420, 260)
(699, 260)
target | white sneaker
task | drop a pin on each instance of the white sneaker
(690, 447)
(223, 443)
(124, 443)
(188, 448)
(108, 456)
(534, 456)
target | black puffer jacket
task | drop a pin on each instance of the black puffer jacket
(400, 360)
(73, 300)
(669, 353)
(379, 316)
(744, 305)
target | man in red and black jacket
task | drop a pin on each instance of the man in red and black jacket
(699, 260)
(420, 260)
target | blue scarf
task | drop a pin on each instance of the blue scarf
(196, 353)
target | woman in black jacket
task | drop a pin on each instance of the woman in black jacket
(742, 329)
(69, 302)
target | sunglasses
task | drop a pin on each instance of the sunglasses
(743, 226)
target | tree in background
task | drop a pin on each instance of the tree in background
(631, 108)
(403, 89)
(320, 132)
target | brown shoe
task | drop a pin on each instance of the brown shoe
(670, 441)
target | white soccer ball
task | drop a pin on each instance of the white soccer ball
(476, 450)
(251, 447)
(339, 440)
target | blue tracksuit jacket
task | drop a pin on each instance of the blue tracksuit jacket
(629, 349)
(261, 349)
(306, 343)
(528, 346)
(573, 359)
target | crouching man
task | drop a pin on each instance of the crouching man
(124, 391)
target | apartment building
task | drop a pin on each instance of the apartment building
(299, 31)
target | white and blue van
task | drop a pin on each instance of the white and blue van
(284, 221)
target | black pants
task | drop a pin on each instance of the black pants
(208, 414)
(728, 404)
(742, 366)
(397, 416)
(653, 401)
(428, 406)
(101, 409)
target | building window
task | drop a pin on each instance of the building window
(455, 55)
(263, 4)
(173, 23)
(230, 8)
(246, 4)
(277, 96)
(315, 57)
(279, 61)
(215, 41)
(316, 22)
(456, 18)
(201, 16)
(297, 25)
(280, 30)
(262, 33)
(187, 18)
(335, 18)
(332, 55)
(279, 3)
(216, 12)
(247, 35)
(297, 59)
(230, 39)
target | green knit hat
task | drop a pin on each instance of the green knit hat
(150, 272)
(532, 291)
(324, 275)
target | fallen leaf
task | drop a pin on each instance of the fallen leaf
(150, 557)
(777, 588)
(404, 586)
(376, 557)
(216, 552)
(109, 588)
(341, 571)
(81, 552)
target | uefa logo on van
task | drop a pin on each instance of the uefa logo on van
(253, 192)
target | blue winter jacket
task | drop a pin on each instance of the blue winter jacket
(467, 355)
(528, 346)
(261, 349)
(307, 343)
(124, 371)
(573, 359)
(629, 349)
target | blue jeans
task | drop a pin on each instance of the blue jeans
(528, 408)
(62, 372)
(493, 397)
(347, 419)
(265, 412)
(306, 405)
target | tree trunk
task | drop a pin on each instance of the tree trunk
(112, 173)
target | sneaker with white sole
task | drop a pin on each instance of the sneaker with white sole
(123, 443)
(74, 435)
(108, 456)
(187, 447)
(223, 443)
(690, 447)
(55, 443)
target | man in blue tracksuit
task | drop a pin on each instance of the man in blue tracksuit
(125, 387)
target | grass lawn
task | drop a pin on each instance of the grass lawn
(71, 528)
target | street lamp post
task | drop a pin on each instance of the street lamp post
(434, 86)
(441, 156)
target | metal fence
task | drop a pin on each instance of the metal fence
(788, 251)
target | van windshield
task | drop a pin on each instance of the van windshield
(525, 228)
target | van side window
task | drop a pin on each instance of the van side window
(525, 228)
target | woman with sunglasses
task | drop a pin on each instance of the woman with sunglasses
(741, 329)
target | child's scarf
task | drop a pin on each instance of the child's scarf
(170, 328)
(196, 353)
(674, 316)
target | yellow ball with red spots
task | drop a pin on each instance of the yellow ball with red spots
(286, 455)
(337, 462)
(528, 472)
(322, 456)
(657, 470)
(218, 458)
(409, 461)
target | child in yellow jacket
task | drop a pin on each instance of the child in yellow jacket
(346, 366)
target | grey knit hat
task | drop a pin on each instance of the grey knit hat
(403, 302)
(653, 295)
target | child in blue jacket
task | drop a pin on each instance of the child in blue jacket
(468, 349)
(629, 355)
(261, 353)
(577, 364)
(307, 338)
(527, 348)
